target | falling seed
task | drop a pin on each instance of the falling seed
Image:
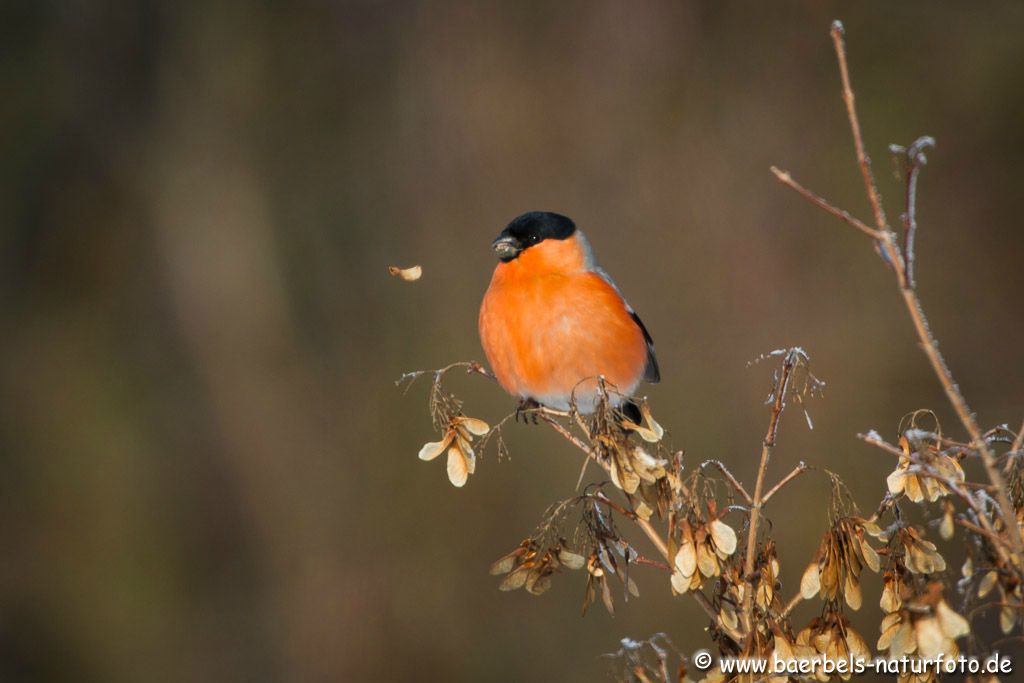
(408, 274)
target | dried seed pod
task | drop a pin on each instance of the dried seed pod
(473, 425)
(851, 591)
(810, 582)
(457, 440)
(953, 625)
(507, 563)
(987, 583)
(723, 536)
(458, 467)
(686, 557)
(515, 580)
(570, 559)
(707, 562)
(432, 449)
(869, 554)
(946, 526)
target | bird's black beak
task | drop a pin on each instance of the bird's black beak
(507, 247)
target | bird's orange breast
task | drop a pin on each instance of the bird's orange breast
(550, 327)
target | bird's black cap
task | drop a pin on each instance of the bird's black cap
(537, 226)
(530, 229)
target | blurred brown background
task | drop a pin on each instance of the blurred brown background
(207, 471)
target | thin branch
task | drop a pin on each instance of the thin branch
(757, 503)
(1014, 452)
(797, 471)
(888, 247)
(640, 559)
(786, 179)
(930, 347)
(731, 479)
(793, 602)
(862, 158)
(997, 541)
(914, 158)
(572, 438)
(1018, 442)
(879, 443)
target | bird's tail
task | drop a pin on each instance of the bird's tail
(630, 410)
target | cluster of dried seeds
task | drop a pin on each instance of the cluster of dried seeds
(457, 440)
(702, 550)
(767, 583)
(923, 474)
(832, 636)
(600, 565)
(843, 553)
(530, 567)
(922, 624)
(919, 556)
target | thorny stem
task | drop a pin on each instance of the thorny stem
(755, 510)
(886, 243)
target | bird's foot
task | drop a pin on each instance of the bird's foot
(527, 409)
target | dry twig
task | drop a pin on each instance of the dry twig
(901, 264)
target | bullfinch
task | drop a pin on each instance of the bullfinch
(552, 321)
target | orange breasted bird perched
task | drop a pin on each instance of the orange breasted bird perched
(552, 321)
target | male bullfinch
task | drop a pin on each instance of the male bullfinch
(552, 320)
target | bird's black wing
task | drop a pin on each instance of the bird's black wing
(652, 373)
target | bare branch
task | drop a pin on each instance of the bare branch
(786, 179)
(1015, 450)
(862, 158)
(797, 471)
(731, 479)
(793, 602)
(914, 159)
(887, 246)
(782, 387)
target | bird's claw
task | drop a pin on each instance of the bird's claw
(527, 409)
